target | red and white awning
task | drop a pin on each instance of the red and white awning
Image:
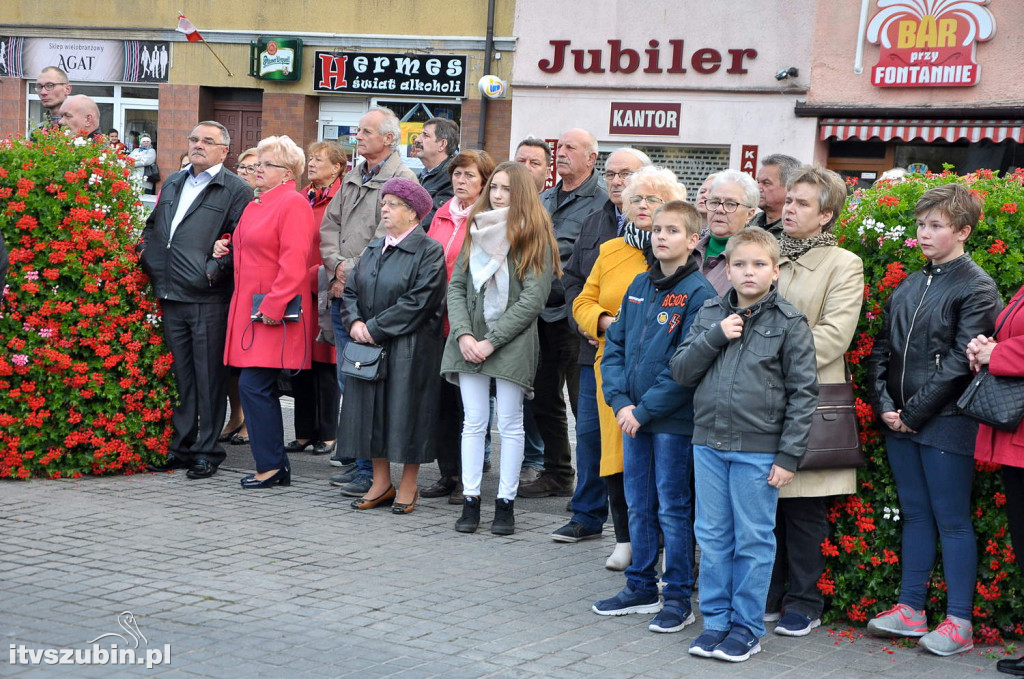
(885, 129)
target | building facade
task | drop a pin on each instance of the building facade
(310, 72)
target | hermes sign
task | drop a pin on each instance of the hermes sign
(929, 43)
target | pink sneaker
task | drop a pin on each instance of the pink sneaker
(952, 636)
(899, 621)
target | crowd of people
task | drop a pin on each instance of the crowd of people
(693, 341)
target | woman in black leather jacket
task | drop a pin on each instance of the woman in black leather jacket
(918, 371)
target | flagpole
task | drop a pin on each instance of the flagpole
(218, 58)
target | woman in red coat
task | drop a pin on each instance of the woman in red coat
(272, 245)
(316, 391)
(1004, 356)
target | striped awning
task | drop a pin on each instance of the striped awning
(885, 129)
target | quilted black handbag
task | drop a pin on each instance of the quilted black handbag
(364, 361)
(994, 400)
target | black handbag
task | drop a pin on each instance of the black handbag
(364, 361)
(292, 311)
(834, 442)
(151, 173)
(994, 400)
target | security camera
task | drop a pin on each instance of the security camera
(784, 73)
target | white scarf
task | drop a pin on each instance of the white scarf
(488, 262)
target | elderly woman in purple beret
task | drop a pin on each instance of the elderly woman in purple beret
(394, 299)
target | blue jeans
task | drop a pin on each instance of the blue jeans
(590, 501)
(735, 524)
(341, 338)
(534, 451)
(656, 476)
(934, 488)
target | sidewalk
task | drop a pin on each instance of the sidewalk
(291, 582)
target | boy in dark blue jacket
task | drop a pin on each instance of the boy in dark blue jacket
(655, 414)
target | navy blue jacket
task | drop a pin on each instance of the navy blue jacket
(655, 316)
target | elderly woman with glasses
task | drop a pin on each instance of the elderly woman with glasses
(731, 203)
(619, 262)
(266, 323)
(394, 299)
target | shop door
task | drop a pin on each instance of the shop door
(244, 121)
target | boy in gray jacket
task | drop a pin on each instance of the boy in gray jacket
(751, 355)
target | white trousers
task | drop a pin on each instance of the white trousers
(476, 402)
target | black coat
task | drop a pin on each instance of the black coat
(438, 184)
(598, 227)
(399, 294)
(182, 268)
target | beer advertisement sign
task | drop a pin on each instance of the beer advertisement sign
(276, 59)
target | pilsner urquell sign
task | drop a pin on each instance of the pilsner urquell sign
(276, 59)
(929, 43)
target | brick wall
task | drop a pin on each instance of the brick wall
(498, 128)
(292, 114)
(12, 106)
(178, 115)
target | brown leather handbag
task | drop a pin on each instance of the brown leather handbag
(834, 442)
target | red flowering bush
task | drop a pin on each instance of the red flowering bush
(863, 567)
(84, 383)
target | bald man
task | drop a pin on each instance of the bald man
(81, 115)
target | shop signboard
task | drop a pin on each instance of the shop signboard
(644, 118)
(748, 159)
(128, 61)
(929, 43)
(437, 75)
(275, 59)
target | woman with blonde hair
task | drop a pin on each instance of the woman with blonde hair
(499, 286)
(621, 260)
(266, 327)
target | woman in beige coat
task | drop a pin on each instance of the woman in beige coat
(826, 283)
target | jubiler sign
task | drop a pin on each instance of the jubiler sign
(929, 43)
(439, 75)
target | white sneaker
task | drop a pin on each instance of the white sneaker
(621, 557)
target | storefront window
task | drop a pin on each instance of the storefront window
(413, 114)
(125, 108)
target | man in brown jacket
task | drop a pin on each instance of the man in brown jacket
(350, 222)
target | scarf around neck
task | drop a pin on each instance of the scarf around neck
(488, 262)
(793, 248)
(637, 237)
(459, 212)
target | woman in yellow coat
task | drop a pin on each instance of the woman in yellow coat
(619, 262)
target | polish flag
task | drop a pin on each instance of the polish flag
(188, 28)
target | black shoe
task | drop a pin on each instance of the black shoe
(202, 469)
(504, 517)
(1011, 666)
(226, 436)
(321, 448)
(338, 461)
(296, 447)
(170, 464)
(239, 440)
(443, 486)
(470, 519)
(574, 532)
(546, 486)
(282, 477)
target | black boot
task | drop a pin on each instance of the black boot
(470, 519)
(504, 517)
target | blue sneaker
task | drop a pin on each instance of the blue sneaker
(627, 601)
(795, 624)
(738, 646)
(674, 616)
(706, 642)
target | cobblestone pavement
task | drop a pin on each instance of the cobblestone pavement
(292, 582)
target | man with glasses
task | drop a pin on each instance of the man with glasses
(197, 207)
(578, 193)
(776, 171)
(53, 88)
(731, 203)
(350, 222)
(590, 500)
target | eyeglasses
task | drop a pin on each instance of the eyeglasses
(38, 87)
(266, 164)
(247, 168)
(392, 204)
(727, 205)
(650, 200)
(624, 175)
(205, 141)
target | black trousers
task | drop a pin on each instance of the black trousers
(617, 504)
(1013, 483)
(801, 525)
(261, 402)
(448, 430)
(317, 398)
(195, 334)
(558, 368)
